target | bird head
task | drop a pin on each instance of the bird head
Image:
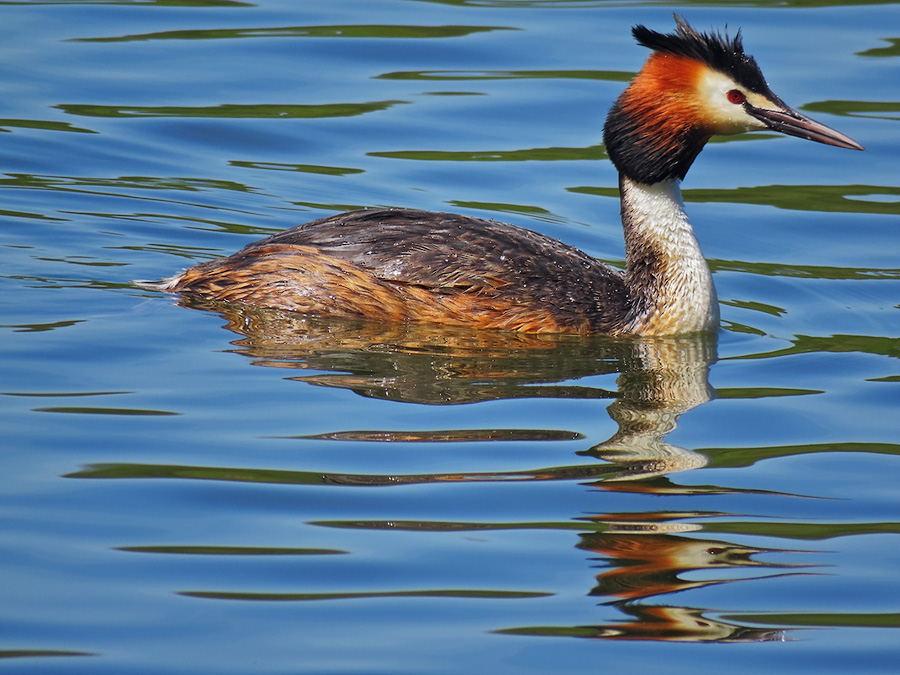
(692, 87)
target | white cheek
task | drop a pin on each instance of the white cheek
(726, 117)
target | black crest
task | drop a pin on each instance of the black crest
(716, 50)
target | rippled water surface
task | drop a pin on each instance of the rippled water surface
(199, 490)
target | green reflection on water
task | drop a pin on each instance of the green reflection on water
(44, 125)
(496, 207)
(42, 327)
(857, 108)
(806, 344)
(893, 49)
(468, 75)
(31, 216)
(745, 393)
(768, 269)
(294, 597)
(32, 653)
(737, 457)
(302, 168)
(755, 306)
(231, 110)
(71, 183)
(795, 530)
(283, 477)
(86, 410)
(230, 550)
(831, 198)
(591, 153)
(832, 619)
(344, 31)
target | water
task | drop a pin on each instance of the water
(188, 492)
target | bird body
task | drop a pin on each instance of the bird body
(404, 265)
(396, 265)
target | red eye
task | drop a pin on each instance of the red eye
(736, 96)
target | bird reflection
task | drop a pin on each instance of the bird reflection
(649, 558)
(676, 624)
(652, 382)
(658, 379)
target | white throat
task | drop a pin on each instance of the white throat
(668, 280)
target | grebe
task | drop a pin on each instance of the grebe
(405, 265)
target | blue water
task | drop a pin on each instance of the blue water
(187, 491)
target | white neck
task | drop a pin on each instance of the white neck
(668, 280)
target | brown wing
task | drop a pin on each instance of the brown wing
(463, 266)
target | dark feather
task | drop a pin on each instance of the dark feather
(716, 50)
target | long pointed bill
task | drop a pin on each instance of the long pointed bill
(789, 121)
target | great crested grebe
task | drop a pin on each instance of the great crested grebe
(394, 265)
